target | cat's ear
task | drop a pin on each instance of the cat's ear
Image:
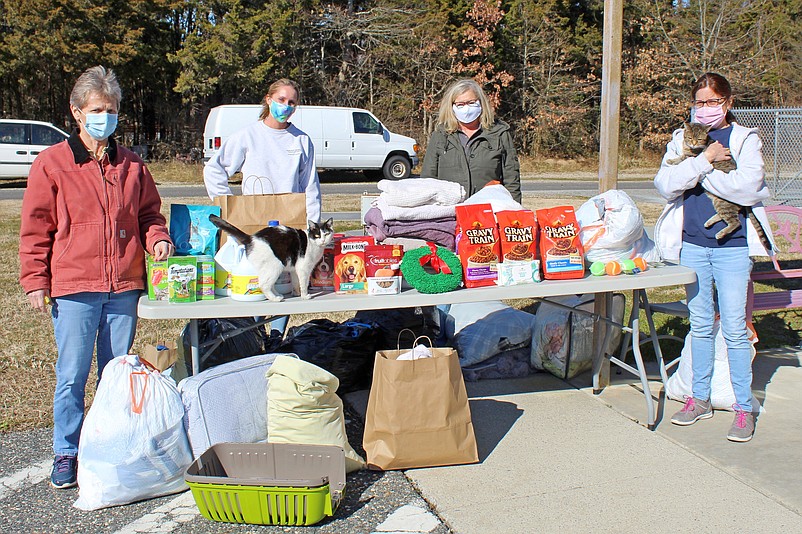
(685, 124)
(329, 223)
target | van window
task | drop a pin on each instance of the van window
(44, 135)
(12, 134)
(366, 124)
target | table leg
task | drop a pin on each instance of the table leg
(603, 307)
(194, 343)
(644, 379)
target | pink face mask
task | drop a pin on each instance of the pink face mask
(712, 116)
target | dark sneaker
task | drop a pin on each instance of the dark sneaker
(65, 472)
(743, 426)
(693, 410)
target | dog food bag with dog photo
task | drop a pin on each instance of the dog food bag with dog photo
(561, 252)
(350, 275)
(478, 244)
(383, 266)
(323, 273)
(518, 232)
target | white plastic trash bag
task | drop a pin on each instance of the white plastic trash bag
(303, 408)
(722, 396)
(611, 228)
(497, 196)
(133, 444)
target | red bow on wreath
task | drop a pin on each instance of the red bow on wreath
(434, 260)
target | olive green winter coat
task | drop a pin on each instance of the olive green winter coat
(492, 156)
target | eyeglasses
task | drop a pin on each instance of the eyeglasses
(709, 102)
(460, 105)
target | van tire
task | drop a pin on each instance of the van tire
(397, 168)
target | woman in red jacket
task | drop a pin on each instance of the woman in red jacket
(90, 210)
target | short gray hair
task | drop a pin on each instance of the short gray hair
(446, 116)
(96, 81)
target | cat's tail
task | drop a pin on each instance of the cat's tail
(241, 237)
(761, 233)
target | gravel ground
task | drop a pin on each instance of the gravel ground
(37, 508)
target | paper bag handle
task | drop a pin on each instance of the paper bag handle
(427, 338)
(415, 341)
(261, 181)
(398, 341)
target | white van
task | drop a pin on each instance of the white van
(344, 138)
(20, 143)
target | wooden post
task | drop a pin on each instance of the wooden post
(608, 141)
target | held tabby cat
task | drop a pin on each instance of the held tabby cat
(695, 141)
(275, 249)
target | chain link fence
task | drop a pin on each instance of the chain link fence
(781, 132)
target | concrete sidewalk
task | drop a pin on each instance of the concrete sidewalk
(556, 458)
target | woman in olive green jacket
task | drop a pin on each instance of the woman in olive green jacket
(470, 146)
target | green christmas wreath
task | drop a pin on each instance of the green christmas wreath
(447, 275)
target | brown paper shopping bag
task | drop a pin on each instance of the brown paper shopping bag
(161, 356)
(251, 213)
(418, 413)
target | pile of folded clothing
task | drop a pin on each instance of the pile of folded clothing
(415, 210)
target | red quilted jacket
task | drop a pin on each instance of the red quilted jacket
(85, 223)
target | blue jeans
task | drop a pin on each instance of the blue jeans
(81, 322)
(727, 268)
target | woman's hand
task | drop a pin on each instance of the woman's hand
(162, 250)
(39, 300)
(716, 152)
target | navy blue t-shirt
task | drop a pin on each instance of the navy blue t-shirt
(698, 208)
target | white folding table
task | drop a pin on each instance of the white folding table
(322, 302)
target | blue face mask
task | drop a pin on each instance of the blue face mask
(281, 112)
(100, 126)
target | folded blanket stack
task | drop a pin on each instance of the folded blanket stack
(418, 208)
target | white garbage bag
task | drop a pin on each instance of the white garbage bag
(133, 444)
(611, 228)
(722, 396)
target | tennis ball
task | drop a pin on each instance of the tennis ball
(597, 268)
(612, 268)
(640, 263)
(627, 266)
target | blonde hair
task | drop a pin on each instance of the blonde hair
(283, 82)
(446, 115)
(96, 81)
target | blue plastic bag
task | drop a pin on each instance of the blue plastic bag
(192, 232)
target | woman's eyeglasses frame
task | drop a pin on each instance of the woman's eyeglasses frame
(710, 102)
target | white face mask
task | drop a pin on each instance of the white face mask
(468, 112)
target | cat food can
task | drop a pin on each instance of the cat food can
(205, 282)
(323, 274)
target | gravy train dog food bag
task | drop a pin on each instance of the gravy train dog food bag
(478, 244)
(561, 252)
